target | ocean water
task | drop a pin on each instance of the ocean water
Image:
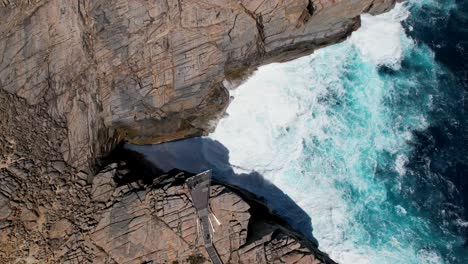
(361, 145)
(367, 136)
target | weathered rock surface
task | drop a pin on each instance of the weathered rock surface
(151, 71)
(158, 224)
(45, 205)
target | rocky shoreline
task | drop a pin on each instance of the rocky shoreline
(153, 71)
(78, 77)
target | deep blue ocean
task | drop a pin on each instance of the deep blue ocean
(366, 138)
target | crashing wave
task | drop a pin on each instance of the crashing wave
(333, 130)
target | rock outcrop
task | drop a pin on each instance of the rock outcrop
(127, 213)
(158, 224)
(152, 71)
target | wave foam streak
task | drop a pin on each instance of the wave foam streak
(333, 131)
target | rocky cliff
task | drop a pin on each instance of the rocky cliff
(152, 71)
(76, 77)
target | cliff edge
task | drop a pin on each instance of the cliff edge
(153, 71)
(157, 223)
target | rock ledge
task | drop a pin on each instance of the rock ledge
(157, 223)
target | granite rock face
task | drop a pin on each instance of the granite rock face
(152, 71)
(158, 224)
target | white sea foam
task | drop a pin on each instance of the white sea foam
(428, 257)
(260, 114)
(379, 38)
(462, 223)
(401, 210)
(400, 164)
(279, 114)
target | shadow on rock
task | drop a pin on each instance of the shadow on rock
(199, 154)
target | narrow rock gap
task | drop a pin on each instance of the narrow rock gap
(260, 28)
(310, 8)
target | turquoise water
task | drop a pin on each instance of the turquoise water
(337, 131)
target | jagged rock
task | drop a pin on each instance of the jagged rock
(36, 187)
(59, 165)
(152, 71)
(104, 185)
(159, 225)
(29, 218)
(60, 229)
(5, 209)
